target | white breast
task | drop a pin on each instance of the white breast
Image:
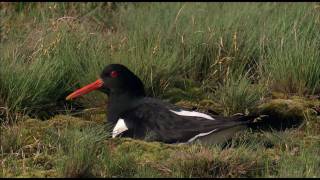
(119, 128)
(192, 113)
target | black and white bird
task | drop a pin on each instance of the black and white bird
(134, 115)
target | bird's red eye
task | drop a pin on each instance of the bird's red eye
(114, 74)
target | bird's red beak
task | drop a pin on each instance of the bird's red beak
(86, 89)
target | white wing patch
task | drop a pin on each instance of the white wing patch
(119, 128)
(201, 134)
(192, 113)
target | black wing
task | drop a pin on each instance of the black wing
(155, 116)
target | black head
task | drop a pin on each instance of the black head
(114, 79)
(119, 79)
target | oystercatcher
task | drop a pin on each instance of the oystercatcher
(134, 115)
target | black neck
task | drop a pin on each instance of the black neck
(124, 97)
(119, 103)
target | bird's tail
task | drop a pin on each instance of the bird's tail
(252, 121)
(237, 123)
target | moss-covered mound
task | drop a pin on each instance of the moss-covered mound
(287, 113)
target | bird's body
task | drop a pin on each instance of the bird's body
(154, 120)
(134, 115)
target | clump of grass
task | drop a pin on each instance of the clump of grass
(79, 150)
(42, 82)
(303, 160)
(292, 57)
(239, 95)
(10, 139)
(119, 164)
(214, 161)
(294, 67)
